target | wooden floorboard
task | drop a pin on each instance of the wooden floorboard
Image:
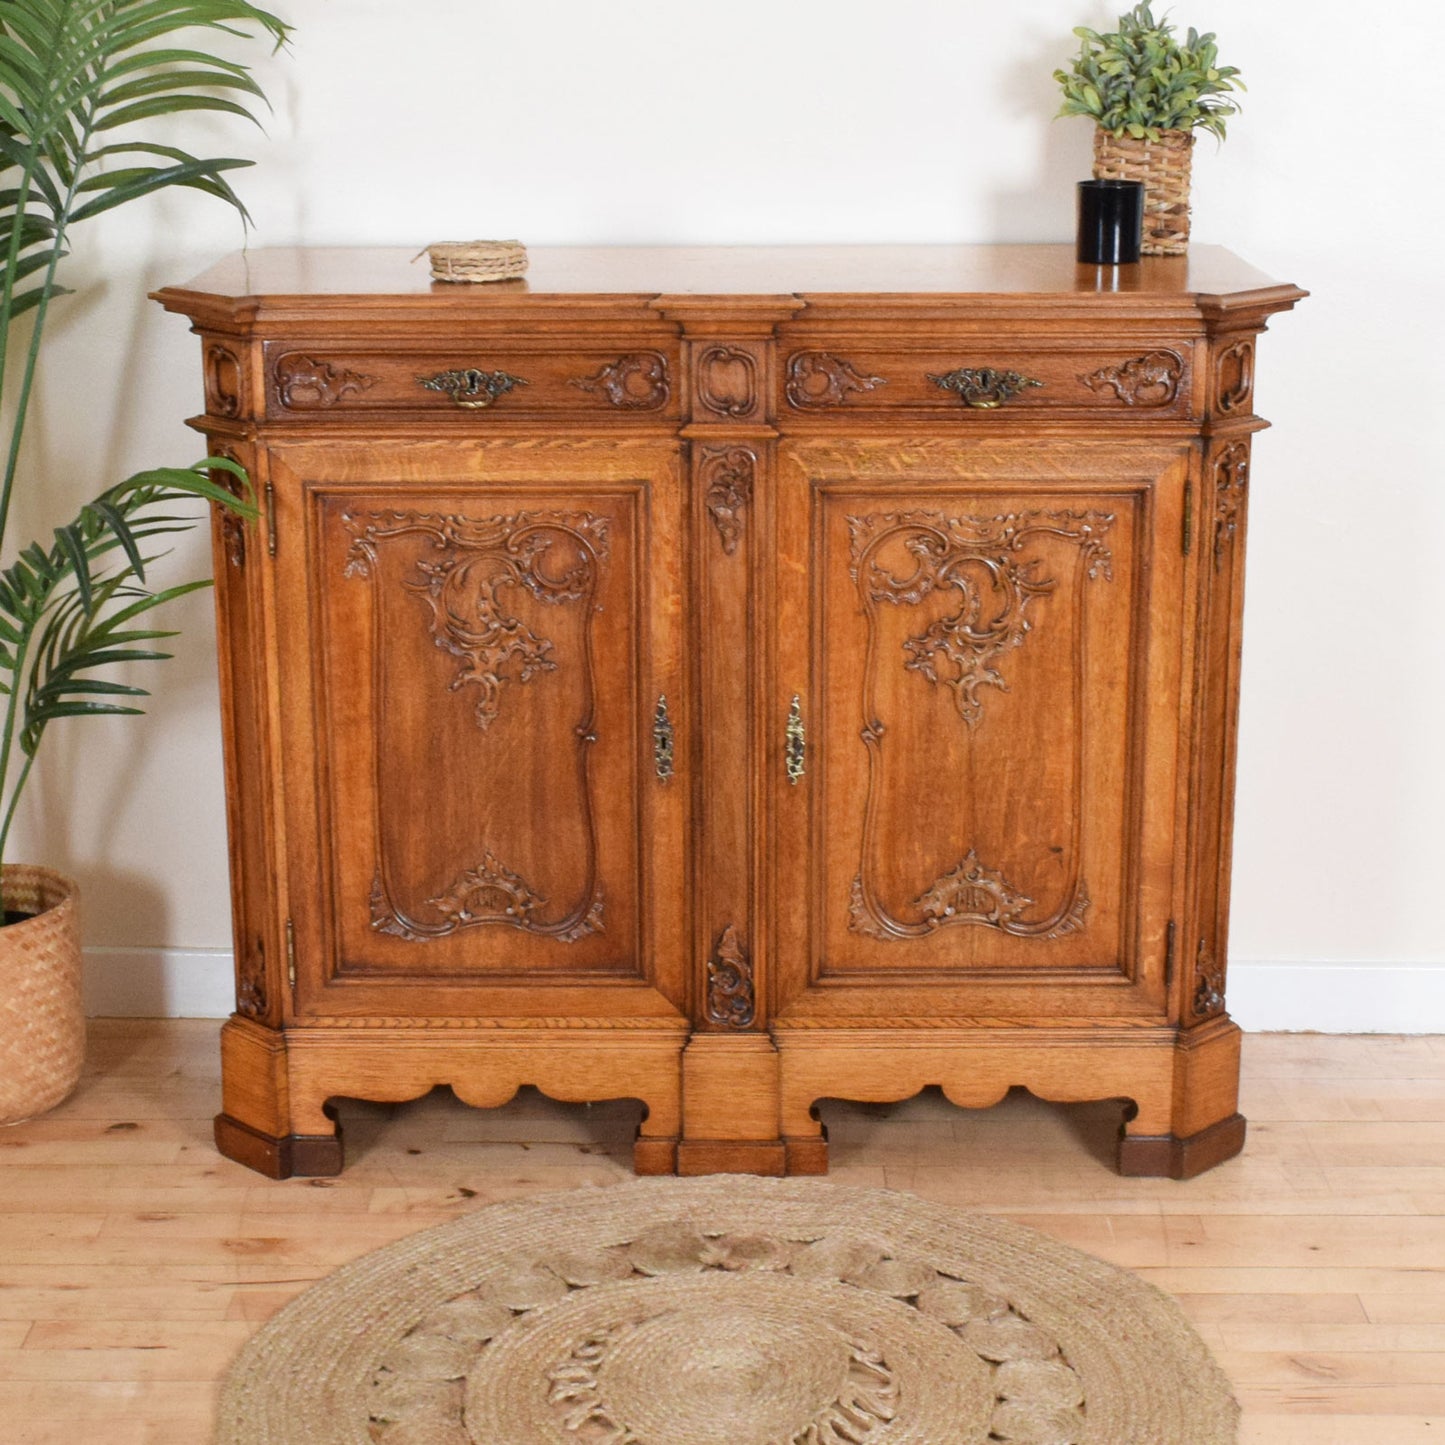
(134, 1261)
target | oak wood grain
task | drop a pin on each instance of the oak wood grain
(126, 1284)
(832, 651)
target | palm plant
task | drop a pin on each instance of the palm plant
(79, 82)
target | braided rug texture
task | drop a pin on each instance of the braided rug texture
(727, 1310)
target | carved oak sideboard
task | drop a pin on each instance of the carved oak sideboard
(730, 679)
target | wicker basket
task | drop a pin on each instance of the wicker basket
(477, 260)
(1163, 166)
(42, 1021)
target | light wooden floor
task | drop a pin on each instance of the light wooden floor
(134, 1261)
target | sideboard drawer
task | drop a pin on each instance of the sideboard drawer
(982, 379)
(482, 380)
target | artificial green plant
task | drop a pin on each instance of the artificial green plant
(1141, 81)
(82, 84)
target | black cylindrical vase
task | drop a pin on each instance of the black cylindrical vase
(1111, 222)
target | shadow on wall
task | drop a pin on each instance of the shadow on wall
(1040, 207)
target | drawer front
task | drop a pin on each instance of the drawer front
(477, 381)
(984, 380)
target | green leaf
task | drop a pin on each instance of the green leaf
(136, 181)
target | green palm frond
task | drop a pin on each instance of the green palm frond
(81, 81)
(72, 73)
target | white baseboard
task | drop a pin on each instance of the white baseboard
(1329, 998)
(159, 983)
(1338, 998)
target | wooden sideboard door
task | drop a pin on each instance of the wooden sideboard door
(474, 638)
(985, 645)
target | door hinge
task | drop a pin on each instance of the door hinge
(1169, 959)
(291, 954)
(270, 519)
(1188, 538)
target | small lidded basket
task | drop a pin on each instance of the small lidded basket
(477, 260)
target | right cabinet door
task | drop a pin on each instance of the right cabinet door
(986, 643)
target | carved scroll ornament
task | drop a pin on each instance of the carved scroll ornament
(303, 384)
(727, 380)
(730, 993)
(632, 383)
(1144, 381)
(984, 560)
(969, 893)
(251, 995)
(489, 893)
(1234, 376)
(556, 557)
(1208, 982)
(727, 475)
(979, 559)
(1231, 479)
(817, 380)
(223, 381)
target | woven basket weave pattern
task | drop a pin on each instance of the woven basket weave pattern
(1163, 165)
(727, 1311)
(42, 1022)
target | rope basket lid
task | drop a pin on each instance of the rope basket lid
(477, 260)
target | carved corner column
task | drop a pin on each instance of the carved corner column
(1206, 1126)
(730, 1067)
(255, 1125)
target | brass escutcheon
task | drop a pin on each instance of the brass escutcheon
(472, 388)
(984, 388)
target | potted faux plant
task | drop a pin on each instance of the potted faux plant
(79, 82)
(1148, 93)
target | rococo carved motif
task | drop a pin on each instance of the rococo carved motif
(232, 524)
(902, 558)
(304, 385)
(978, 558)
(488, 893)
(1231, 478)
(1208, 982)
(556, 557)
(731, 1001)
(727, 475)
(1234, 376)
(969, 893)
(637, 382)
(223, 381)
(251, 996)
(1150, 380)
(816, 379)
(727, 380)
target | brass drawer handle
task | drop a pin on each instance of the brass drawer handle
(471, 388)
(796, 746)
(984, 387)
(662, 739)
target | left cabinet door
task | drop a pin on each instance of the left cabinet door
(474, 637)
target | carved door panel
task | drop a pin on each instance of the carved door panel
(475, 637)
(989, 681)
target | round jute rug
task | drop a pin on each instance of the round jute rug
(727, 1311)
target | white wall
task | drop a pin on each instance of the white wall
(922, 120)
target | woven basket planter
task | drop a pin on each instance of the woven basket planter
(1163, 166)
(42, 1021)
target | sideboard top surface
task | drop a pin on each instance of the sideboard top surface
(792, 278)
